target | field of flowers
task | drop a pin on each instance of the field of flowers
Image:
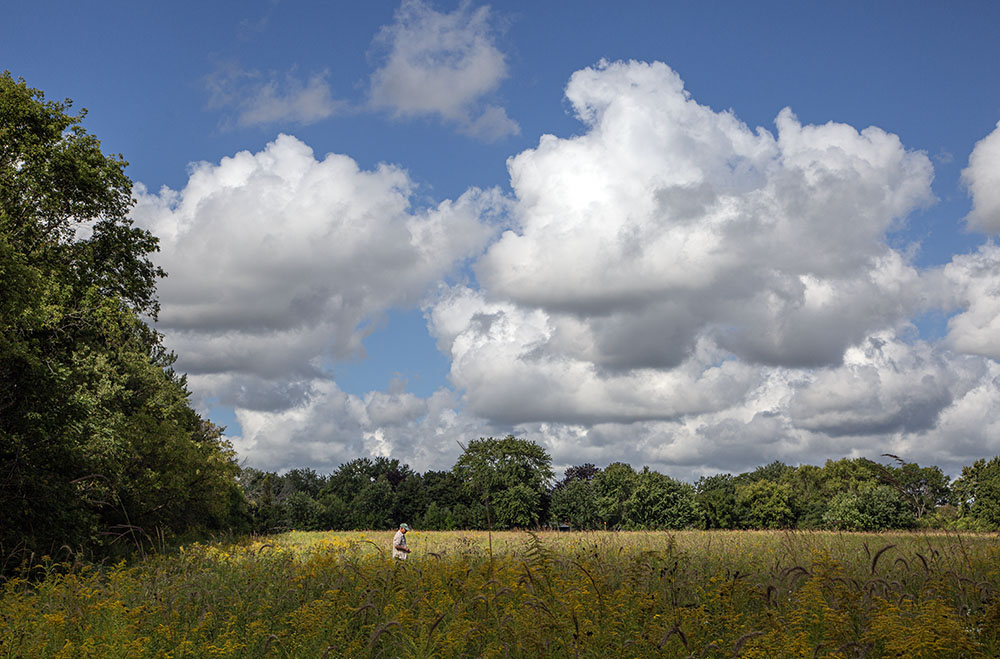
(601, 594)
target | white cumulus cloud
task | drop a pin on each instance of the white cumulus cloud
(889, 396)
(982, 177)
(662, 255)
(278, 261)
(975, 281)
(445, 65)
(683, 291)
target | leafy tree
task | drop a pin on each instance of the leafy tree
(774, 472)
(336, 513)
(394, 471)
(614, 486)
(810, 497)
(471, 516)
(872, 508)
(848, 475)
(716, 499)
(765, 504)
(97, 437)
(304, 512)
(977, 491)
(489, 467)
(267, 495)
(372, 507)
(923, 488)
(658, 501)
(436, 518)
(576, 503)
(306, 481)
(349, 478)
(518, 506)
(584, 472)
(444, 488)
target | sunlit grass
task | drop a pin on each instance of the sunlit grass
(711, 594)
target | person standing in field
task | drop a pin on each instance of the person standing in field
(399, 548)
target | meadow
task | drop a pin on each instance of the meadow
(595, 594)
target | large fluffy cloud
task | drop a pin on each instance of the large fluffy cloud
(442, 65)
(278, 262)
(974, 279)
(669, 238)
(683, 291)
(983, 179)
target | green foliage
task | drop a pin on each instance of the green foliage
(765, 504)
(584, 472)
(576, 504)
(517, 506)
(875, 508)
(372, 507)
(304, 512)
(436, 518)
(977, 491)
(716, 499)
(855, 494)
(775, 471)
(848, 474)
(660, 502)
(336, 513)
(508, 475)
(923, 488)
(614, 486)
(98, 443)
(306, 481)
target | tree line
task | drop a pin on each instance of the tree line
(507, 483)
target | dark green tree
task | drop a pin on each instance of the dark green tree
(871, 508)
(304, 512)
(848, 475)
(518, 506)
(810, 497)
(977, 491)
(489, 467)
(765, 504)
(436, 518)
(660, 502)
(349, 478)
(923, 488)
(336, 513)
(306, 481)
(575, 503)
(716, 498)
(614, 486)
(372, 508)
(584, 472)
(98, 442)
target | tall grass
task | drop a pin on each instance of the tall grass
(683, 594)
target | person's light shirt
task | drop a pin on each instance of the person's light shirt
(399, 540)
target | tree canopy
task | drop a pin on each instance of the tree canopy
(98, 440)
(509, 475)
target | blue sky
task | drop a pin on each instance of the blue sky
(450, 273)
